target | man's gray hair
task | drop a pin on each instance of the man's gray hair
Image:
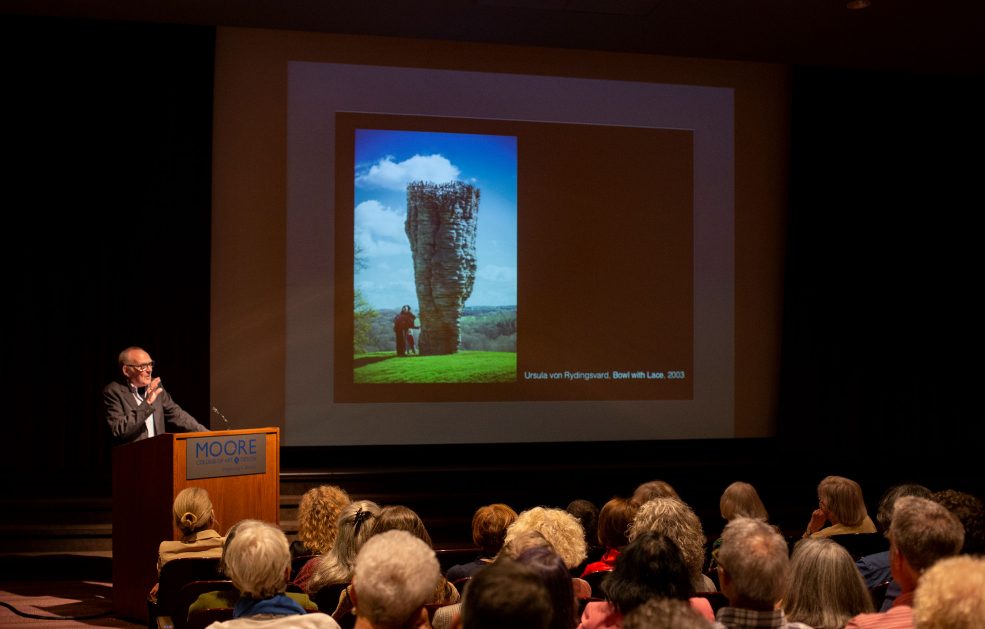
(755, 557)
(258, 560)
(396, 574)
(924, 531)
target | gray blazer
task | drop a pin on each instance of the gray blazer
(126, 418)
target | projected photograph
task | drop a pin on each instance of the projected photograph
(435, 257)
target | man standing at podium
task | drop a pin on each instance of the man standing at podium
(139, 407)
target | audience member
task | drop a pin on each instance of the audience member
(258, 562)
(840, 502)
(874, 568)
(752, 569)
(318, 520)
(552, 571)
(507, 594)
(354, 528)
(951, 595)
(970, 512)
(588, 514)
(561, 530)
(223, 598)
(400, 518)
(921, 533)
(489, 524)
(677, 521)
(739, 500)
(665, 613)
(194, 518)
(650, 566)
(653, 489)
(395, 576)
(614, 521)
(825, 589)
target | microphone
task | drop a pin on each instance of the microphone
(219, 413)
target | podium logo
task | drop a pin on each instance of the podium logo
(212, 457)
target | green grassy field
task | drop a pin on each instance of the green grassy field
(466, 366)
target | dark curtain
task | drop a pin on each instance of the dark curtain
(107, 201)
(882, 326)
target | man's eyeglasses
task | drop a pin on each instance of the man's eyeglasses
(144, 367)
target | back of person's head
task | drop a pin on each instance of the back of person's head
(318, 516)
(401, 518)
(650, 566)
(556, 577)
(396, 574)
(588, 514)
(649, 490)
(489, 526)
(843, 498)
(884, 515)
(677, 521)
(506, 594)
(951, 595)
(522, 541)
(924, 532)
(561, 530)
(753, 559)
(192, 510)
(355, 527)
(242, 525)
(258, 560)
(665, 613)
(825, 589)
(970, 511)
(741, 500)
(614, 520)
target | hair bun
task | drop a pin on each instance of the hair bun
(189, 519)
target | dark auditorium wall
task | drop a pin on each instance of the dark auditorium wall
(107, 195)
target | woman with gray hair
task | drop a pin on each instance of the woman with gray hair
(355, 527)
(677, 521)
(824, 588)
(562, 531)
(258, 562)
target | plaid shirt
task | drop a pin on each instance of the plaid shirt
(737, 618)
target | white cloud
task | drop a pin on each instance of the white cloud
(379, 230)
(392, 175)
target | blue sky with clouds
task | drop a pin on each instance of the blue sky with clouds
(386, 161)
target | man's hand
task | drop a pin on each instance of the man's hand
(153, 390)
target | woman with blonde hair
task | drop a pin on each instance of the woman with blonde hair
(318, 520)
(840, 502)
(824, 588)
(562, 531)
(194, 518)
(677, 521)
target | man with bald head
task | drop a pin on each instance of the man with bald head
(139, 407)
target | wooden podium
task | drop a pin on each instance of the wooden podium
(148, 474)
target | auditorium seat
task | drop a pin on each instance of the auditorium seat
(190, 592)
(859, 545)
(175, 574)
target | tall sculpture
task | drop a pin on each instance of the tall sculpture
(441, 226)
